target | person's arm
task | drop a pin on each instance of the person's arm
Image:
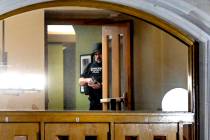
(84, 81)
(95, 85)
(89, 82)
(84, 77)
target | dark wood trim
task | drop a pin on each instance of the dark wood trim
(196, 93)
(51, 21)
(46, 62)
(193, 86)
(81, 17)
(100, 116)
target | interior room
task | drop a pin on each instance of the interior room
(159, 62)
(151, 71)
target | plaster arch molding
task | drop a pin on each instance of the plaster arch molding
(182, 15)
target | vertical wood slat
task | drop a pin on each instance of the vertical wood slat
(115, 65)
(189, 80)
(127, 62)
(186, 131)
(42, 130)
(180, 125)
(193, 68)
(115, 30)
(105, 67)
(112, 131)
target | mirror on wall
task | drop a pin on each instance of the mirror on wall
(42, 52)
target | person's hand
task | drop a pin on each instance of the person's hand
(89, 80)
(85, 81)
(95, 85)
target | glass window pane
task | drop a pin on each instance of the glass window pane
(109, 42)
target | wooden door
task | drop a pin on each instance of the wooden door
(76, 131)
(19, 131)
(116, 53)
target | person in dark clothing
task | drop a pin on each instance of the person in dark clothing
(91, 79)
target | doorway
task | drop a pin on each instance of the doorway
(60, 53)
(156, 66)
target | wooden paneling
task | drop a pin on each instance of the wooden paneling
(146, 131)
(95, 117)
(115, 32)
(105, 72)
(10, 131)
(76, 131)
(139, 130)
(163, 130)
(96, 125)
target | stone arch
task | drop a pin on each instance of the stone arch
(176, 17)
(116, 7)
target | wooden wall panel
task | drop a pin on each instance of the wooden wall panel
(76, 131)
(146, 131)
(8, 131)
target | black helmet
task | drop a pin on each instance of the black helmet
(97, 47)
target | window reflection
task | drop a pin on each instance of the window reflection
(159, 63)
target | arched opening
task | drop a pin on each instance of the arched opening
(156, 63)
(148, 18)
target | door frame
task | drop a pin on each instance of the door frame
(57, 18)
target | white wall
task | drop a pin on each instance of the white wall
(1, 39)
(55, 74)
(24, 43)
(160, 64)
